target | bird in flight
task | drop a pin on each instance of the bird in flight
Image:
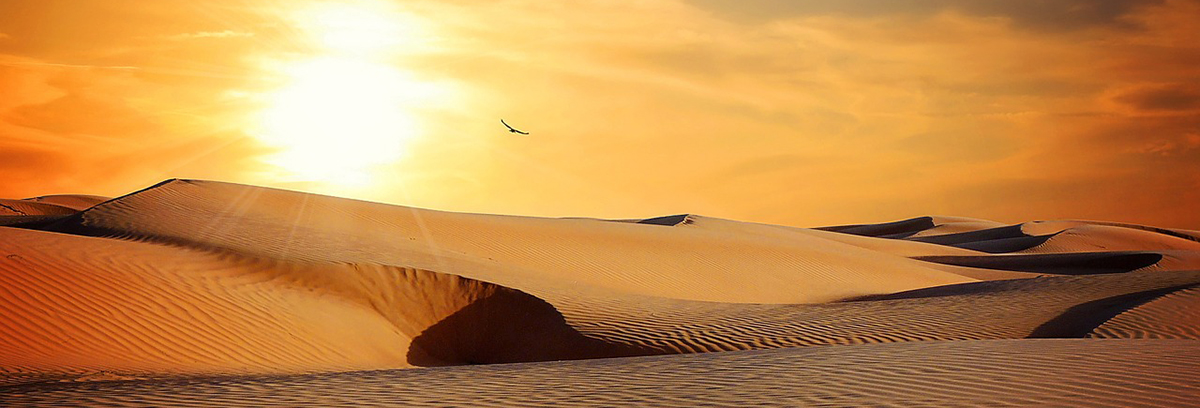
(510, 128)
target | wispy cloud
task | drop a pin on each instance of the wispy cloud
(1043, 15)
(208, 34)
(28, 63)
(1163, 98)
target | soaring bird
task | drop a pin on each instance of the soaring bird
(510, 128)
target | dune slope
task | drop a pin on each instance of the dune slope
(85, 304)
(1175, 315)
(77, 202)
(127, 297)
(80, 304)
(690, 264)
(1068, 246)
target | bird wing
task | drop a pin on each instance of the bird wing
(523, 133)
(506, 125)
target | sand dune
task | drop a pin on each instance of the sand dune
(1047, 307)
(195, 278)
(801, 235)
(48, 205)
(1189, 234)
(916, 227)
(1105, 373)
(22, 207)
(944, 225)
(78, 304)
(1079, 263)
(532, 252)
(894, 229)
(77, 202)
(1085, 238)
(1051, 237)
(82, 304)
(39, 210)
(17, 212)
(1068, 247)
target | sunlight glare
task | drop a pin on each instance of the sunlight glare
(346, 112)
(360, 28)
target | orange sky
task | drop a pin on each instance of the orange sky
(788, 112)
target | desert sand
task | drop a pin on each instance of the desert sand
(208, 293)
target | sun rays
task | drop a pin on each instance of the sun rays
(346, 110)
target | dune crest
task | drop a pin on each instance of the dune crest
(1175, 315)
(1064, 243)
(31, 208)
(25, 212)
(77, 202)
(693, 264)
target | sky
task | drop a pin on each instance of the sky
(802, 113)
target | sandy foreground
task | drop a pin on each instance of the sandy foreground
(208, 293)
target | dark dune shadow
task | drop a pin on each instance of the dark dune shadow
(1005, 245)
(669, 220)
(33, 222)
(960, 289)
(1081, 319)
(993, 240)
(990, 234)
(895, 229)
(1087, 263)
(509, 326)
(1024, 285)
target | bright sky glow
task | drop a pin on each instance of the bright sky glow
(347, 112)
(787, 112)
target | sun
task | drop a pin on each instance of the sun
(346, 111)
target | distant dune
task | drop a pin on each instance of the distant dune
(77, 202)
(110, 300)
(46, 208)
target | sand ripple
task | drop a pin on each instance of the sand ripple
(205, 293)
(1094, 373)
